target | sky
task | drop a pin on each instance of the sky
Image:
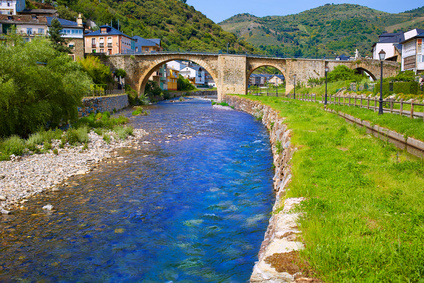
(219, 10)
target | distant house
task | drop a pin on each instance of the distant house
(276, 79)
(110, 41)
(391, 44)
(177, 65)
(11, 7)
(343, 57)
(172, 78)
(26, 26)
(413, 54)
(147, 45)
(73, 32)
(195, 73)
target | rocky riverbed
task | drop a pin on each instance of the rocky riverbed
(25, 176)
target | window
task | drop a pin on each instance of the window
(93, 51)
(102, 50)
(41, 31)
(420, 46)
(29, 31)
(101, 45)
(146, 49)
(93, 43)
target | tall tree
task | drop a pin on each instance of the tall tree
(55, 35)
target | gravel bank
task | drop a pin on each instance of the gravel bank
(28, 175)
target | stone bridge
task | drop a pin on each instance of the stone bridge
(231, 72)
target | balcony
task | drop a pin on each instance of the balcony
(93, 45)
(102, 45)
(109, 45)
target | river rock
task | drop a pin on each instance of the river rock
(4, 211)
(2, 198)
(48, 207)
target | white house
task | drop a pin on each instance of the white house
(413, 54)
(391, 44)
(11, 7)
(176, 65)
(195, 74)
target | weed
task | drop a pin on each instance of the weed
(279, 147)
(55, 151)
(13, 145)
(107, 138)
(123, 132)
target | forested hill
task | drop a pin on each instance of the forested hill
(326, 30)
(178, 25)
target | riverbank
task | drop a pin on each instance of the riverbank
(28, 175)
(362, 211)
(281, 244)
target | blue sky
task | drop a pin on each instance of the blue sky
(219, 10)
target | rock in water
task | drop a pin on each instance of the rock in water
(48, 207)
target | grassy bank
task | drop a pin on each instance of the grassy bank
(401, 124)
(363, 218)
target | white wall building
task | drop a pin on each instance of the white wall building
(176, 65)
(11, 7)
(196, 74)
(413, 54)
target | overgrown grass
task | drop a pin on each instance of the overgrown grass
(401, 124)
(363, 215)
(41, 141)
(332, 88)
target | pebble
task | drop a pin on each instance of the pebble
(48, 207)
(27, 175)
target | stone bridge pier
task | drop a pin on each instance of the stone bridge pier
(231, 72)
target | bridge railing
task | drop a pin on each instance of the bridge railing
(412, 108)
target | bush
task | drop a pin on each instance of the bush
(123, 132)
(184, 84)
(13, 145)
(75, 136)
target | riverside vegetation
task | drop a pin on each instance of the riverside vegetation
(363, 215)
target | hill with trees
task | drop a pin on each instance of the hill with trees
(178, 25)
(327, 31)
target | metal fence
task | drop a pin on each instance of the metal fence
(412, 108)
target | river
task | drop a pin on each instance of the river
(192, 205)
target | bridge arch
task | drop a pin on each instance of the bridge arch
(361, 70)
(144, 76)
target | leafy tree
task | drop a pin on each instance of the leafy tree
(184, 84)
(39, 86)
(343, 73)
(99, 72)
(55, 35)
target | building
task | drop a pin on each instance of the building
(391, 44)
(147, 45)
(172, 78)
(110, 41)
(26, 25)
(159, 76)
(413, 54)
(176, 65)
(195, 73)
(11, 7)
(276, 80)
(73, 32)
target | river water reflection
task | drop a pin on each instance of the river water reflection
(190, 206)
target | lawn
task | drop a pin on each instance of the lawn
(364, 214)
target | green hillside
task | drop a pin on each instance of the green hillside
(323, 31)
(179, 25)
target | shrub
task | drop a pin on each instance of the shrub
(13, 145)
(106, 138)
(123, 132)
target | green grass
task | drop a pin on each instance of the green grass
(364, 214)
(401, 124)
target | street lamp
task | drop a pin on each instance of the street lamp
(382, 55)
(294, 90)
(326, 71)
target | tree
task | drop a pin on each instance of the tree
(184, 84)
(34, 94)
(55, 35)
(100, 73)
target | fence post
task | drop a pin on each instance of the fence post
(361, 100)
(391, 105)
(412, 109)
(368, 103)
(401, 106)
(315, 97)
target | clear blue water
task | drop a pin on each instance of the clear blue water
(191, 206)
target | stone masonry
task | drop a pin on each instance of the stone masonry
(102, 104)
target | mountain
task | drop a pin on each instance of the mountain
(178, 25)
(328, 30)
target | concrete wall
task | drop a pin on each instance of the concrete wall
(102, 104)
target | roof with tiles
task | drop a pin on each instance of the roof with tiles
(63, 22)
(22, 19)
(109, 31)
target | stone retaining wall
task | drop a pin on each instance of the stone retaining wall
(195, 93)
(281, 235)
(102, 104)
